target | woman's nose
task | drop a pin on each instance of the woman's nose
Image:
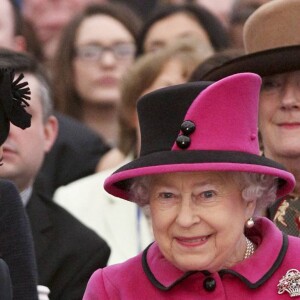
(291, 96)
(108, 59)
(187, 213)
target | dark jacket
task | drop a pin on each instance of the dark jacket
(75, 154)
(16, 244)
(67, 252)
(5, 282)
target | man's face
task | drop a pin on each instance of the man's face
(24, 150)
(279, 115)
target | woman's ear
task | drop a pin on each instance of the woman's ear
(250, 208)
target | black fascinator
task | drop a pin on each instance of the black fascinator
(14, 95)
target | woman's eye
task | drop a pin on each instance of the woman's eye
(166, 195)
(207, 194)
(270, 84)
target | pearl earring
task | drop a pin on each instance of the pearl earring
(250, 223)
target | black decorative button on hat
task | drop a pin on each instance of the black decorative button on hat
(188, 127)
(209, 284)
(183, 141)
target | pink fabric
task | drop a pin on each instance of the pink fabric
(128, 280)
(226, 119)
(109, 182)
(232, 125)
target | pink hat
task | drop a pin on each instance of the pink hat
(200, 126)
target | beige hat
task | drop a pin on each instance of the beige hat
(271, 40)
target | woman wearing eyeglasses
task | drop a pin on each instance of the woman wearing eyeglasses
(96, 48)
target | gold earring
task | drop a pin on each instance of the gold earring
(250, 223)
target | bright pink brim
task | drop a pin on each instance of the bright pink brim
(110, 187)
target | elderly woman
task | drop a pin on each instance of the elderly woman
(200, 172)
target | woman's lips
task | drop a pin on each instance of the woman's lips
(290, 125)
(108, 81)
(192, 241)
(8, 151)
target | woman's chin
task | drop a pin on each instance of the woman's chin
(194, 264)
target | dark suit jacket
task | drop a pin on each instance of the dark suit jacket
(74, 155)
(16, 243)
(5, 282)
(67, 251)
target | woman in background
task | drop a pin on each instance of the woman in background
(96, 49)
(170, 22)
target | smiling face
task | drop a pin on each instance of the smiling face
(198, 219)
(97, 79)
(279, 115)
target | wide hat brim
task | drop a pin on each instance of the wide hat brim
(263, 63)
(119, 182)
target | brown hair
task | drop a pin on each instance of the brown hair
(144, 72)
(66, 98)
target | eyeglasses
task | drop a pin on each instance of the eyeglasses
(121, 51)
(277, 83)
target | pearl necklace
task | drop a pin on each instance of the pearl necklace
(249, 249)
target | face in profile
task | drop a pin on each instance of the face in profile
(102, 57)
(172, 27)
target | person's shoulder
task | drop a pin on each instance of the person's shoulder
(294, 244)
(83, 192)
(112, 281)
(110, 159)
(69, 227)
(87, 182)
(5, 281)
(118, 272)
(7, 186)
(292, 251)
(9, 195)
(73, 131)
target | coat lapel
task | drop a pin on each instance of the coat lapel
(41, 224)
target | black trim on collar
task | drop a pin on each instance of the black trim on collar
(275, 266)
(222, 273)
(155, 282)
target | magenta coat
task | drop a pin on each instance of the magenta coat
(150, 276)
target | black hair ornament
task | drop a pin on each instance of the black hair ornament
(14, 95)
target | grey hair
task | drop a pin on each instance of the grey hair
(45, 97)
(261, 188)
